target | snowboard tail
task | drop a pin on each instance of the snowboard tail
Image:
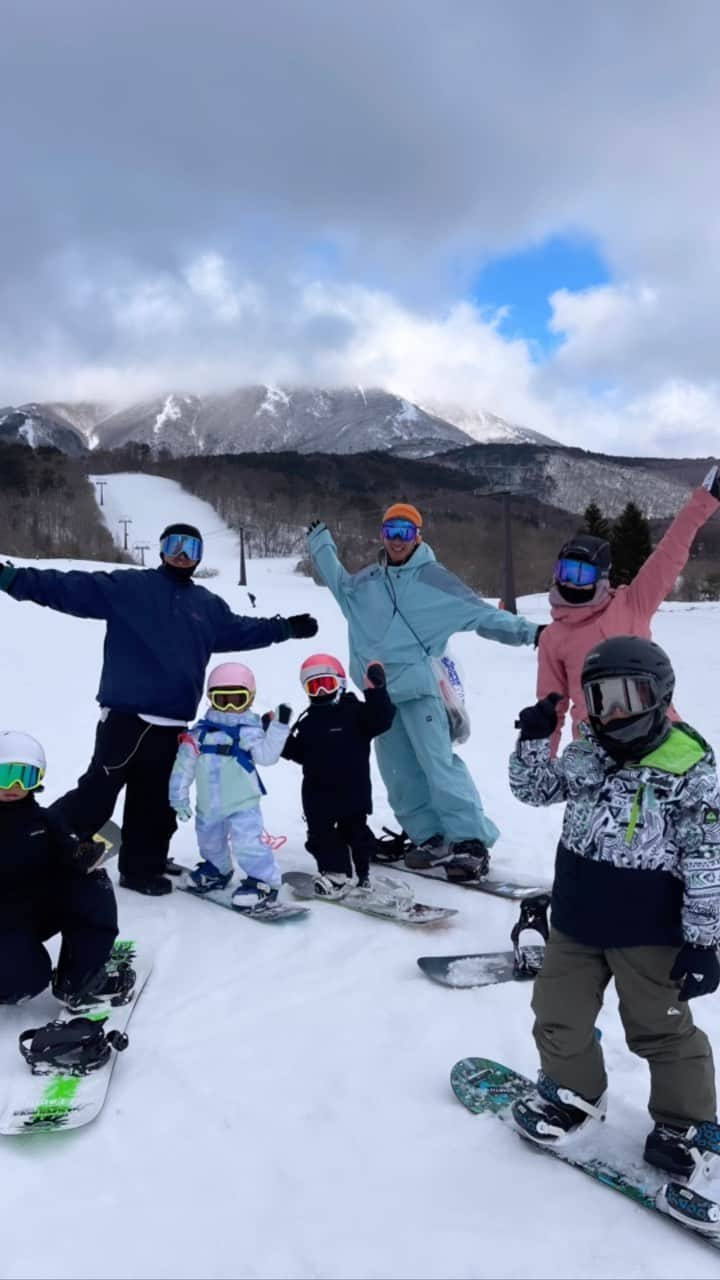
(485, 1087)
(481, 970)
(391, 901)
(268, 913)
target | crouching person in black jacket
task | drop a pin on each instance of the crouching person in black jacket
(331, 740)
(49, 884)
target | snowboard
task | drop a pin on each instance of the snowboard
(58, 1101)
(488, 1088)
(493, 885)
(482, 970)
(270, 913)
(390, 900)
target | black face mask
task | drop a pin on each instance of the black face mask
(576, 595)
(633, 737)
(179, 574)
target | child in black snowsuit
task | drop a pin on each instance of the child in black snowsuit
(331, 740)
(49, 884)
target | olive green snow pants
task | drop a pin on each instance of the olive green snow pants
(567, 999)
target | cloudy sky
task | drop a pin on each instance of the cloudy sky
(509, 205)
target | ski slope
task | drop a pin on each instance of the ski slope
(284, 1108)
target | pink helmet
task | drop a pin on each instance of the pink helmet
(231, 675)
(322, 664)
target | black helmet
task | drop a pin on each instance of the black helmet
(636, 676)
(585, 546)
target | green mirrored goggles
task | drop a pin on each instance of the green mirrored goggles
(29, 776)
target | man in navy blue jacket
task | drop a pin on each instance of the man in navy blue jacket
(162, 629)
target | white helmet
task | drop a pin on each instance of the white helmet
(20, 748)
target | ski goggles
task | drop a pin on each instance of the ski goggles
(611, 696)
(231, 699)
(28, 776)
(321, 684)
(404, 529)
(177, 543)
(576, 573)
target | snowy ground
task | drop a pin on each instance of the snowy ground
(284, 1108)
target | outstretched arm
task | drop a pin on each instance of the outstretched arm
(83, 595)
(466, 611)
(236, 632)
(656, 578)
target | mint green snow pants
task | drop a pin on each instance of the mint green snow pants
(430, 788)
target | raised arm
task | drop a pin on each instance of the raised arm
(535, 778)
(466, 611)
(325, 558)
(267, 746)
(378, 712)
(656, 578)
(83, 595)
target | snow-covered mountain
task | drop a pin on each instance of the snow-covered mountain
(263, 418)
(486, 427)
(36, 425)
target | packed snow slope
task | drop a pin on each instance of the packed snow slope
(284, 1108)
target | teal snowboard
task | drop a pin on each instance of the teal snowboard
(488, 1088)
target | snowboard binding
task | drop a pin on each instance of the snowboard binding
(74, 1047)
(391, 846)
(114, 985)
(533, 916)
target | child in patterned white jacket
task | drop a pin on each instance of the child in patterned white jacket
(636, 897)
(219, 754)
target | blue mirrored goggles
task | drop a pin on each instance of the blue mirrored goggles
(175, 543)
(403, 529)
(576, 573)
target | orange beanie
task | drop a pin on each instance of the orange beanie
(403, 511)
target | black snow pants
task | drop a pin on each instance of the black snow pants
(84, 912)
(331, 841)
(139, 756)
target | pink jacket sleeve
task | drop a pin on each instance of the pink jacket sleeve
(552, 678)
(657, 577)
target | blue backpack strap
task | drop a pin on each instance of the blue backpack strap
(244, 758)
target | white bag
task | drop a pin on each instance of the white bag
(448, 674)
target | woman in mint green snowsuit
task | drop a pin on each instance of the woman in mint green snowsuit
(402, 614)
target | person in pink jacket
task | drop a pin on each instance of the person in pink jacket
(587, 610)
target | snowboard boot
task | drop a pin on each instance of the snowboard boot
(113, 986)
(154, 886)
(468, 860)
(206, 877)
(551, 1114)
(332, 884)
(690, 1206)
(424, 854)
(682, 1149)
(73, 1047)
(251, 894)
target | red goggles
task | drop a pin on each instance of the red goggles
(321, 684)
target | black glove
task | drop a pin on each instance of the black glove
(284, 712)
(313, 525)
(87, 853)
(697, 969)
(539, 721)
(7, 573)
(302, 626)
(266, 719)
(538, 634)
(376, 675)
(712, 481)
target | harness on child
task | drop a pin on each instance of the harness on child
(244, 758)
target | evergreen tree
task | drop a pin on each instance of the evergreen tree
(630, 544)
(595, 522)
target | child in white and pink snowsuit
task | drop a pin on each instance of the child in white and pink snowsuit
(219, 754)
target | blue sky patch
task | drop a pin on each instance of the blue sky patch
(524, 281)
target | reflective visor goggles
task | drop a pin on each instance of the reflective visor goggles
(29, 776)
(175, 543)
(619, 696)
(576, 573)
(404, 529)
(231, 699)
(321, 684)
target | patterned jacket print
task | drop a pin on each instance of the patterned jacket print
(639, 856)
